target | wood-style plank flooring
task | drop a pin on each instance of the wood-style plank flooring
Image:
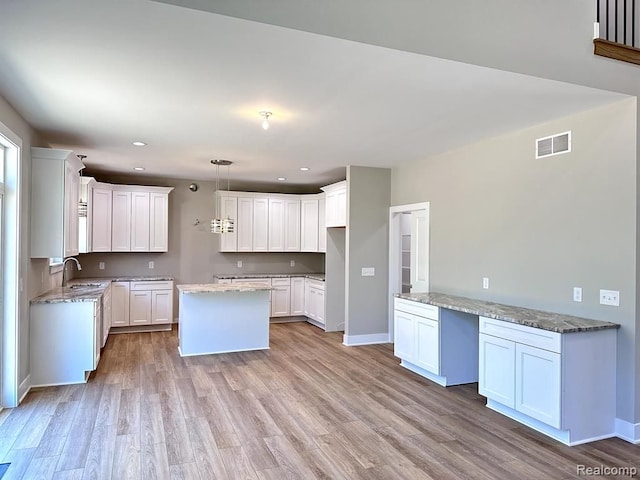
(307, 408)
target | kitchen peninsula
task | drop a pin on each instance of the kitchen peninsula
(220, 318)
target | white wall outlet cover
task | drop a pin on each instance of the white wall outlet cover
(577, 294)
(610, 297)
(368, 271)
(485, 282)
(101, 265)
(152, 265)
(239, 263)
(292, 263)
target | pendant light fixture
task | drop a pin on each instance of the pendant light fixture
(82, 202)
(265, 115)
(219, 224)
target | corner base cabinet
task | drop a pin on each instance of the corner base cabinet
(439, 344)
(561, 384)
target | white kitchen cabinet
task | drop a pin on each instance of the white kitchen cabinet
(336, 204)
(261, 224)
(280, 297)
(309, 225)
(101, 221)
(322, 228)
(561, 384)
(292, 224)
(150, 302)
(297, 296)
(106, 314)
(140, 221)
(121, 221)
(119, 304)
(244, 224)
(276, 224)
(158, 222)
(439, 344)
(315, 302)
(64, 342)
(55, 193)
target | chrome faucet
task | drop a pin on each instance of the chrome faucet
(64, 270)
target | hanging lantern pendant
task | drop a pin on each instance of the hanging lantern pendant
(218, 224)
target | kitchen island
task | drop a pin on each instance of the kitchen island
(221, 318)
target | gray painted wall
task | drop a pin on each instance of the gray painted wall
(367, 245)
(334, 288)
(537, 228)
(193, 255)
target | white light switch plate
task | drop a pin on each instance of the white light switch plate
(610, 297)
(368, 271)
(152, 265)
(577, 294)
(239, 264)
(485, 282)
(101, 265)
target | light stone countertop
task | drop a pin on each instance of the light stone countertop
(222, 287)
(88, 289)
(554, 322)
(232, 276)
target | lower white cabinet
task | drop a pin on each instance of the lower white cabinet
(439, 344)
(106, 314)
(281, 297)
(561, 384)
(65, 342)
(297, 296)
(315, 301)
(148, 302)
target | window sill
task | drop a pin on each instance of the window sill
(55, 268)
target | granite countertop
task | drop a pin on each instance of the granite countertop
(88, 289)
(554, 322)
(314, 276)
(222, 287)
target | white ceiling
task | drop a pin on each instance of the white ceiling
(94, 76)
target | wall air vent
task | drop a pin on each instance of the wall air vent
(554, 145)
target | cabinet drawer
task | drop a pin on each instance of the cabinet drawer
(535, 337)
(417, 308)
(318, 284)
(262, 280)
(280, 282)
(152, 285)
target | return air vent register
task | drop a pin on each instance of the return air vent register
(554, 145)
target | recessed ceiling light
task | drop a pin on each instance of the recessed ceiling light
(139, 169)
(282, 179)
(138, 143)
(304, 169)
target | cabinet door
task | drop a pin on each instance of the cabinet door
(140, 221)
(121, 224)
(319, 294)
(71, 199)
(307, 298)
(158, 222)
(101, 204)
(106, 315)
(280, 301)
(427, 348)
(297, 296)
(331, 209)
(496, 365)
(537, 377)
(322, 228)
(229, 209)
(140, 307)
(291, 228)
(260, 224)
(309, 225)
(276, 224)
(120, 304)
(341, 207)
(244, 224)
(404, 335)
(161, 306)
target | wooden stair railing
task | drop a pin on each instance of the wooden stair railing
(617, 29)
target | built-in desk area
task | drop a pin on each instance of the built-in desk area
(552, 372)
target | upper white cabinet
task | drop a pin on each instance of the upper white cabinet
(336, 204)
(130, 218)
(55, 193)
(273, 222)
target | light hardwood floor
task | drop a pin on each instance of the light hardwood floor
(307, 408)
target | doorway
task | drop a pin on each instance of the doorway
(408, 252)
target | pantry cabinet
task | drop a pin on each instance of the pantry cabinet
(55, 193)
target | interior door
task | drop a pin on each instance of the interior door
(419, 251)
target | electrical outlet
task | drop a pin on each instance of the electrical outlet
(101, 265)
(577, 294)
(368, 271)
(152, 265)
(610, 297)
(485, 282)
(292, 263)
(239, 263)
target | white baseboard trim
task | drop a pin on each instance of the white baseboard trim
(628, 431)
(24, 388)
(368, 339)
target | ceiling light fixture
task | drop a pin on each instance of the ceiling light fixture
(265, 115)
(282, 179)
(218, 224)
(304, 169)
(138, 143)
(139, 169)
